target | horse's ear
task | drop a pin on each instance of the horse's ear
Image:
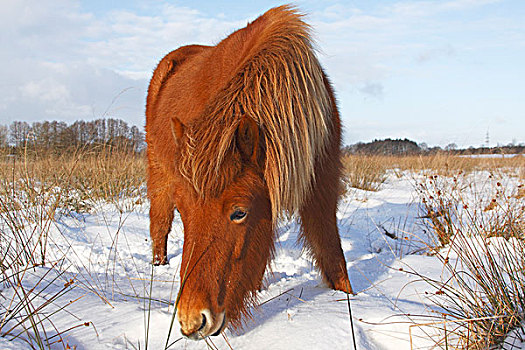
(177, 129)
(249, 141)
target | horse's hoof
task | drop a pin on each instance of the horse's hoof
(160, 261)
(344, 286)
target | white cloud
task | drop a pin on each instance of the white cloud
(46, 90)
(60, 62)
(435, 52)
(134, 43)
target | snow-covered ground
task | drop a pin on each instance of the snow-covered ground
(107, 254)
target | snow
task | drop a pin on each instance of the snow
(107, 254)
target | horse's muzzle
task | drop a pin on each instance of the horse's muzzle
(197, 326)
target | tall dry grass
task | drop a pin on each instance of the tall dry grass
(365, 172)
(369, 172)
(371, 169)
(474, 209)
(36, 190)
(478, 221)
(449, 165)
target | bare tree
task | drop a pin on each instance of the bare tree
(59, 137)
(4, 133)
(18, 133)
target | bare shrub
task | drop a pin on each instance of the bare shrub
(480, 222)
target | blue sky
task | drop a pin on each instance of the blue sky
(438, 72)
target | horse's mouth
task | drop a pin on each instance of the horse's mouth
(210, 326)
(221, 328)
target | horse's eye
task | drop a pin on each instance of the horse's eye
(238, 216)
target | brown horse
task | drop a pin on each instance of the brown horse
(239, 135)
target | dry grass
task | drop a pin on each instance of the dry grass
(437, 164)
(448, 165)
(36, 190)
(85, 177)
(479, 222)
(474, 209)
(365, 172)
(369, 172)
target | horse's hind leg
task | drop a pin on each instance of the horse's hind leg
(319, 229)
(161, 210)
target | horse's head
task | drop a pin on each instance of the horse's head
(228, 232)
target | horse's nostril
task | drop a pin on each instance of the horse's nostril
(203, 323)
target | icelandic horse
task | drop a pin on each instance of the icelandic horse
(239, 135)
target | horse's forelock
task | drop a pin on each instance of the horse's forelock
(282, 87)
(209, 160)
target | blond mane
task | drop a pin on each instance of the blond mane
(281, 86)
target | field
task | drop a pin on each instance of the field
(434, 248)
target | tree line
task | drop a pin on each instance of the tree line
(409, 147)
(60, 137)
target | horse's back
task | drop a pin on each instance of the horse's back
(171, 65)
